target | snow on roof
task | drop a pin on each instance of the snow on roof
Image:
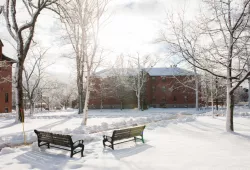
(1, 43)
(172, 71)
(164, 71)
(114, 71)
(4, 57)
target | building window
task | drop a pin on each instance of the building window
(6, 110)
(153, 78)
(163, 99)
(153, 88)
(6, 97)
(163, 78)
(164, 88)
(175, 99)
(153, 98)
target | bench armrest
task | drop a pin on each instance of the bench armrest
(79, 142)
(107, 138)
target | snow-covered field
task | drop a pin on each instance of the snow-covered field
(175, 139)
(69, 122)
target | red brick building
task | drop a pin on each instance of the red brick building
(107, 93)
(5, 82)
(165, 87)
(170, 87)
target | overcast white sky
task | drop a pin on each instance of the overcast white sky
(133, 27)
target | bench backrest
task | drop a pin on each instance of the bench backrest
(127, 133)
(63, 140)
(57, 139)
(44, 136)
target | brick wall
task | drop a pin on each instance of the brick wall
(160, 92)
(5, 88)
(170, 92)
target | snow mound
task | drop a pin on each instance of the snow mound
(7, 150)
(34, 146)
(104, 126)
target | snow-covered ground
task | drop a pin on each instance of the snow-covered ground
(175, 139)
(69, 122)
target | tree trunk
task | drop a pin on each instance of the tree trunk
(121, 105)
(216, 93)
(19, 91)
(101, 104)
(212, 96)
(138, 101)
(80, 102)
(196, 99)
(232, 112)
(80, 95)
(207, 94)
(249, 93)
(217, 104)
(85, 111)
(249, 85)
(196, 86)
(196, 91)
(230, 107)
(139, 87)
(31, 107)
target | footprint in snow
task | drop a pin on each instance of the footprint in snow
(10, 163)
(75, 166)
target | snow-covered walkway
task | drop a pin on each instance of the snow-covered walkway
(199, 144)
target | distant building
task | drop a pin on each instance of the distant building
(170, 88)
(165, 87)
(5, 82)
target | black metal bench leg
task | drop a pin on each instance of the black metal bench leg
(71, 152)
(82, 151)
(142, 139)
(112, 145)
(104, 143)
(48, 145)
(135, 139)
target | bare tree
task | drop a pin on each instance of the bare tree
(62, 95)
(213, 90)
(23, 32)
(82, 23)
(184, 34)
(121, 91)
(74, 18)
(140, 66)
(34, 73)
(50, 92)
(225, 32)
(187, 80)
(93, 54)
(249, 84)
(119, 82)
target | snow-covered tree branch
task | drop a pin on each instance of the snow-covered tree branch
(227, 37)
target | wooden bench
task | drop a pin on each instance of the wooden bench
(121, 134)
(46, 138)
